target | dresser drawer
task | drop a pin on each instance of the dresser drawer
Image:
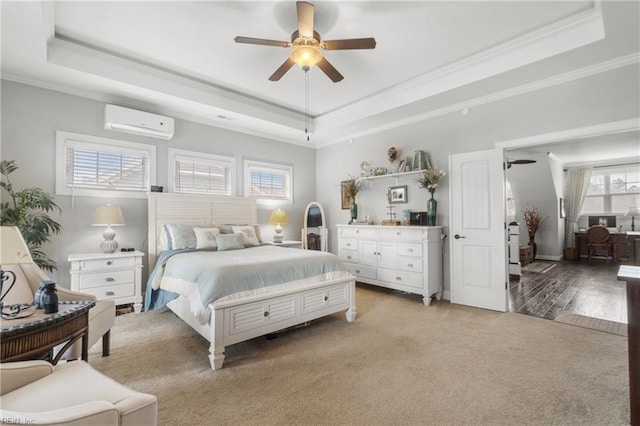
(348, 243)
(361, 271)
(112, 291)
(349, 256)
(114, 263)
(413, 264)
(410, 249)
(100, 279)
(411, 279)
(357, 232)
(401, 234)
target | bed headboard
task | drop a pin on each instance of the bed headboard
(169, 208)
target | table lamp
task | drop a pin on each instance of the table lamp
(108, 216)
(632, 211)
(13, 251)
(278, 217)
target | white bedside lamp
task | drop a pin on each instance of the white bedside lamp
(632, 211)
(278, 217)
(108, 216)
(13, 251)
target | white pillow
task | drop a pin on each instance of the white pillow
(248, 233)
(206, 237)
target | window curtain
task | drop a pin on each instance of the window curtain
(575, 191)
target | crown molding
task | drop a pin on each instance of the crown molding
(567, 77)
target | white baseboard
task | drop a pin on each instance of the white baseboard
(544, 257)
(446, 295)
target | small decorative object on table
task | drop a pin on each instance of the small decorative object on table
(421, 160)
(429, 180)
(532, 220)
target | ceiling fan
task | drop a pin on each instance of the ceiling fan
(510, 163)
(306, 46)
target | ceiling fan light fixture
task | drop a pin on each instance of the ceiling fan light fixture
(305, 56)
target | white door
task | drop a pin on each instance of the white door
(478, 237)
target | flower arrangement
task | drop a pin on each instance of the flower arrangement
(352, 187)
(430, 179)
(532, 220)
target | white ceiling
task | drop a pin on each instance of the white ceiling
(179, 58)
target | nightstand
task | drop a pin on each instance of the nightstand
(286, 243)
(116, 276)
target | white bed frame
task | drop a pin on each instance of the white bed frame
(238, 319)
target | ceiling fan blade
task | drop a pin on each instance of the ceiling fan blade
(305, 18)
(329, 70)
(282, 70)
(352, 43)
(262, 41)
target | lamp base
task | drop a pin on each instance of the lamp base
(278, 238)
(109, 245)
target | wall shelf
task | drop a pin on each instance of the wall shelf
(390, 175)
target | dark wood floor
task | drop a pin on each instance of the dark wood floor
(571, 287)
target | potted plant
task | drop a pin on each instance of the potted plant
(532, 220)
(28, 210)
(429, 180)
(352, 187)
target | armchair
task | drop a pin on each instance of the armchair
(73, 393)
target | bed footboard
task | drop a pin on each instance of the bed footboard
(243, 319)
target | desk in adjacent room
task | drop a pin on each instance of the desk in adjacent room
(620, 245)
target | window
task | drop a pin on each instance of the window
(95, 166)
(269, 183)
(199, 173)
(613, 190)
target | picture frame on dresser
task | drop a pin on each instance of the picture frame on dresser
(398, 194)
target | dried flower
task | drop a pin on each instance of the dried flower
(352, 187)
(532, 220)
(430, 179)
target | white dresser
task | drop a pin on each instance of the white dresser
(407, 258)
(116, 276)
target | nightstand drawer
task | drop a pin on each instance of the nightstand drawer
(109, 278)
(97, 264)
(112, 291)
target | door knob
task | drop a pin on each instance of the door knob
(458, 236)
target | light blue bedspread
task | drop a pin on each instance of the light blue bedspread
(216, 274)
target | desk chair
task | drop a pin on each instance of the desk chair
(598, 238)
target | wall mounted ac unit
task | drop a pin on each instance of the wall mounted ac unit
(137, 122)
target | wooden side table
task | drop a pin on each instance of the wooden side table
(526, 255)
(31, 337)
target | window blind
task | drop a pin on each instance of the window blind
(613, 190)
(99, 168)
(271, 184)
(203, 176)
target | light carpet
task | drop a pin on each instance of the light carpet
(540, 267)
(593, 323)
(399, 363)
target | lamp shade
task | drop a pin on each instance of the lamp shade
(108, 215)
(13, 248)
(632, 211)
(278, 216)
(305, 56)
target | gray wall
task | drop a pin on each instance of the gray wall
(587, 101)
(30, 118)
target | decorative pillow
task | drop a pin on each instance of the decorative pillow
(249, 234)
(206, 237)
(230, 241)
(163, 239)
(180, 237)
(228, 229)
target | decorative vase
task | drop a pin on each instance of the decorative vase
(354, 211)
(432, 211)
(533, 245)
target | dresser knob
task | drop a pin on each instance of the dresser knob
(326, 298)
(357, 271)
(349, 257)
(410, 265)
(110, 293)
(109, 263)
(399, 278)
(266, 313)
(410, 250)
(109, 279)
